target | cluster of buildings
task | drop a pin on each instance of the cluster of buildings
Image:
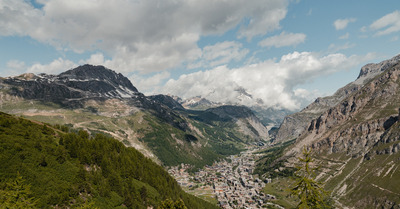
(231, 181)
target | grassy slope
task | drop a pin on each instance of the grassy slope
(65, 169)
(146, 132)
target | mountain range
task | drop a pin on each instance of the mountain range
(354, 138)
(269, 116)
(293, 125)
(353, 134)
(98, 99)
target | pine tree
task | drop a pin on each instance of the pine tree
(89, 204)
(143, 194)
(169, 204)
(16, 194)
(310, 192)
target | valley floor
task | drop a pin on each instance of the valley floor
(228, 183)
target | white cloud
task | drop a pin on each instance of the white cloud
(57, 66)
(149, 85)
(363, 29)
(305, 97)
(303, 93)
(141, 35)
(309, 13)
(16, 65)
(341, 24)
(13, 68)
(272, 81)
(219, 54)
(387, 24)
(17, 18)
(95, 59)
(283, 39)
(345, 36)
(335, 48)
(265, 18)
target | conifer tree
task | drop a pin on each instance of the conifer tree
(169, 204)
(310, 192)
(89, 204)
(16, 194)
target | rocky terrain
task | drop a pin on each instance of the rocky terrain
(356, 140)
(197, 103)
(73, 87)
(98, 99)
(293, 125)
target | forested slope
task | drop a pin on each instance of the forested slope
(70, 169)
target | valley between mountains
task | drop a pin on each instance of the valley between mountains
(91, 131)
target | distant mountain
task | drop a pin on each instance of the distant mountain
(354, 136)
(98, 99)
(244, 118)
(269, 116)
(197, 103)
(167, 100)
(73, 87)
(293, 125)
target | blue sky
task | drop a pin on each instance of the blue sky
(283, 53)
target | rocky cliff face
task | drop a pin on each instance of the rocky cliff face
(372, 109)
(373, 69)
(356, 142)
(73, 87)
(293, 125)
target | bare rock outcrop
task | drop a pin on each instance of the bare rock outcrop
(357, 142)
(294, 125)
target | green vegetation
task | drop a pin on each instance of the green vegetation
(170, 144)
(271, 165)
(60, 169)
(16, 194)
(169, 204)
(310, 192)
(279, 187)
(216, 140)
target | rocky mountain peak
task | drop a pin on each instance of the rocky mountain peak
(99, 73)
(74, 86)
(356, 141)
(372, 69)
(197, 103)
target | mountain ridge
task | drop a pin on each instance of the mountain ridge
(355, 142)
(156, 125)
(74, 86)
(293, 125)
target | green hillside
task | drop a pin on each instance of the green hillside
(64, 169)
(208, 139)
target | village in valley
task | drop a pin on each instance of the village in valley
(229, 181)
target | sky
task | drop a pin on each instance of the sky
(274, 53)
